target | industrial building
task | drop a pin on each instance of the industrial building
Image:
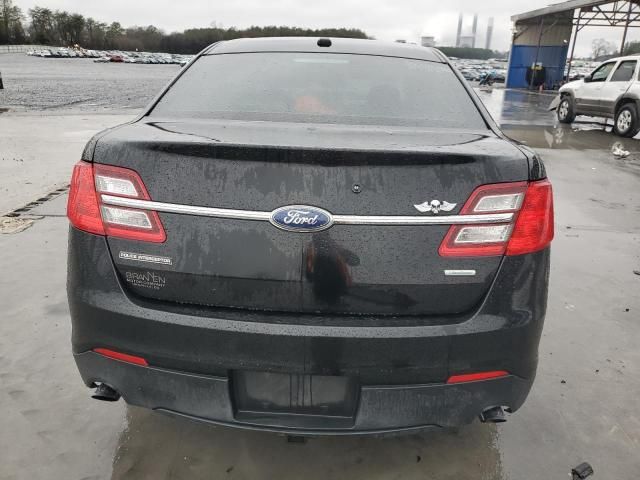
(428, 41)
(466, 41)
(543, 38)
(487, 40)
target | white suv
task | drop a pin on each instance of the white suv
(612, 90)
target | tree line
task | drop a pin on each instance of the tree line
(471, 53)
(43, 26)
(602, 49)
(631, 48)
(11, 27)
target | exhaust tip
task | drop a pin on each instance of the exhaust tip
(493, 415)
(105, 393)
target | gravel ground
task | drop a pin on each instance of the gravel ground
(79, 84)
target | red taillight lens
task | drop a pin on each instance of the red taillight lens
(530, 230)
(534, 227)
(83, 210)
(123, 357)
(89, 184)
(474, 377)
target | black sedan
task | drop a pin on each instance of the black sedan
(321, 236)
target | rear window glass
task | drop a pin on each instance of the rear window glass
(323, 88)
(624, 72)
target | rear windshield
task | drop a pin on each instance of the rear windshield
(321, 88)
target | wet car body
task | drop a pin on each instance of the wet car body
(375, 322)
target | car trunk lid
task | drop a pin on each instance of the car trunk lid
(353, 268)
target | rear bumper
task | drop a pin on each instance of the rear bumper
(400, 370)
(381, 409)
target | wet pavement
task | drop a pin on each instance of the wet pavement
(37, 152)
(583, 407)
(518, 107)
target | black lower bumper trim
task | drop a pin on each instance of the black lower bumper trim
(381, 409)
(307, 432)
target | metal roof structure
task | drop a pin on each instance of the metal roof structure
(583, 13)
(613, 13)
(599, 13)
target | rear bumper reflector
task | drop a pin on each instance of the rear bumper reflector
(123, 357)
(337, 219)
(473, 377)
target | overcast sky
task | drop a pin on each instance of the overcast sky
(384, 19)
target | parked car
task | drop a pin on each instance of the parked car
(612, 90)
(314, 236)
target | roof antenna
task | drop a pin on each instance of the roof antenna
(324, 42)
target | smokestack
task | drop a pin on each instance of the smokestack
(459, 30)
(474, 30)
(487, 44)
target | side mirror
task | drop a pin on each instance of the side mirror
(588, 78)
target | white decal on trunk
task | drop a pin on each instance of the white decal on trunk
(143, 257)
(146, 280)
(435, 206)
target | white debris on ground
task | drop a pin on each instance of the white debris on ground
(618, 151)
(9, 225)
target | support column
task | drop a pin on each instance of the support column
(626, 27)
(573, 44)
(533, 74)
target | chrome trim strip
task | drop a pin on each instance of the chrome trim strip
(337, 219)
(460, 273)
(415, 220)
(185, 209)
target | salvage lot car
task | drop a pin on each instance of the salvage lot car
(612, 90)
(313, 236)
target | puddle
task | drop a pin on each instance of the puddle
(578, 136)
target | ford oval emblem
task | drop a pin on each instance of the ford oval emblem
(301, 218)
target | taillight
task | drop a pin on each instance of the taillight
(534, 227)
(82, 207)
(530, 230)
(87, 212)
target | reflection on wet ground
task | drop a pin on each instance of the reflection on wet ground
(524, 116)
(578, 136)
(518, 106)
(158, 446)
(624, 152)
